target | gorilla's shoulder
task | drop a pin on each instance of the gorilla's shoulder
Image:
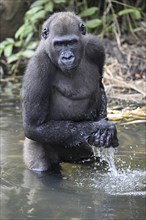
(94, 44)
(94, 51)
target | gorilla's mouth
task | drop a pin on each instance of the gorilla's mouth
(68, 67)
(67, 62)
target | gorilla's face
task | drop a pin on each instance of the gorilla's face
(68, 51)
(64, 42)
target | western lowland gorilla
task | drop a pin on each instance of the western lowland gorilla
(63, 98)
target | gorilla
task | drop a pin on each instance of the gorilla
(63, 97)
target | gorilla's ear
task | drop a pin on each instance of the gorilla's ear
(82, 28)
(45, 33)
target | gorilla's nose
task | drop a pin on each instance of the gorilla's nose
(67, 55)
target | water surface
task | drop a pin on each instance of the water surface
(80, 191)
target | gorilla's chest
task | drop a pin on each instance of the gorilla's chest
(64, 108)
(73, 99)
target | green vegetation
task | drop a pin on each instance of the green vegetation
(107, 17)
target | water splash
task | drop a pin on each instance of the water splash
(106, 155)
(118, 180)
(124, 183)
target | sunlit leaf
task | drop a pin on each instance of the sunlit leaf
(89, 12)
(32, 45)
(93, 23)
(28, 31)
(8, 50)
(18, 43)
(20, 31)
(12, 58)
(29, 37)
(28, 53)
(10, 40)
(59, 1)
(38, 3)
(3, 44)
(49, 6)
(34, 10)
(40, 14)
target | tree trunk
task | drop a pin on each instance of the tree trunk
(11, 16)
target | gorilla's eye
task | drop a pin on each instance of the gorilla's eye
(83, 29)
(58, 43)
(45, 32)
(73, 42)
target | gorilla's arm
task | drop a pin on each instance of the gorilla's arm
(95, 53)
(36, 101)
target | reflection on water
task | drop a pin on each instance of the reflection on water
(79, 191)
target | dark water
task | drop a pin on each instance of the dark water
(80, 191)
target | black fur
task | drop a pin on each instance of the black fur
(63, 98)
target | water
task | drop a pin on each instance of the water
(91, 192)
(106, 155)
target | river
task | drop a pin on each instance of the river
(78, 192)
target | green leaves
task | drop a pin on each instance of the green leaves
(33, 10)
(8, 50)
(13, 58)
(135, 13)
(38, 3)
(24, 43)
(89, 12)
(59, 1)
(93, 23)
(49, 6)
(28, 53)
(6, 47)
(38, 15)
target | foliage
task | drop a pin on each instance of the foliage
(102, 17)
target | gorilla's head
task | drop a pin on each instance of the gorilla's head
(63, 40)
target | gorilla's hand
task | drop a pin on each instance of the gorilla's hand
(105, 136)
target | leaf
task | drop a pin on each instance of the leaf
(8, 50)
(135, 13)
(12, 58)
(10, 40)
(38, 3)
(3, 44)
(49, 7)
(18, 43)
(28, 31)
(40, 14)
(20, 31)
(24, 31)
(59, 1)
(33, 10)
(94, 23)
(89, 12)
(28, 53)
(29, 37)
(32, 45)
(125, 11)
